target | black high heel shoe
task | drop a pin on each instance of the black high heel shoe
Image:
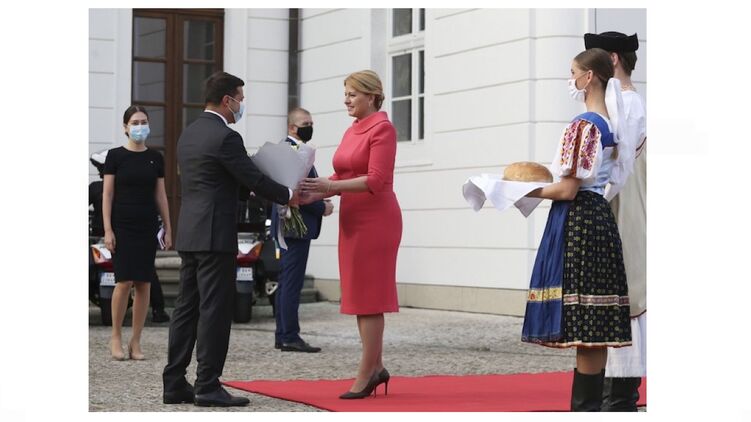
(383, 378)
(365, 392)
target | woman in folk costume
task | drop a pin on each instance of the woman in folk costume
(627, 365)
(578, 295)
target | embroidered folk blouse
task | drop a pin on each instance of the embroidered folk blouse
(581, 154)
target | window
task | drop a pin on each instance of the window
(407, 73)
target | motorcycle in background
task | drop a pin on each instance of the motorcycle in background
(101, 270)
(257, 257)
(101, 279)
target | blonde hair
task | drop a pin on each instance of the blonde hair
(367, 82)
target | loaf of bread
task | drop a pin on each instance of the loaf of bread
(527, 171)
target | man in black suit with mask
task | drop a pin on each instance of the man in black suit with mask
(294, 259)
(213, 163)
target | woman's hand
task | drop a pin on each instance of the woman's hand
(316, 185)
(167, 240)
(109, 240)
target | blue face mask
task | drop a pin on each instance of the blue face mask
(239, 113)
(139, 133)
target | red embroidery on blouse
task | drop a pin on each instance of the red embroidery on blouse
(588, 150)
(576, 138)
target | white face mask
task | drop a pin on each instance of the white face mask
(239, 113)
(576, 93)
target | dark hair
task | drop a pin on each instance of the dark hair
(133, 110)
(598, 61)
(220, 84)
(628, 61)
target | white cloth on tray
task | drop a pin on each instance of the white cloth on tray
(502, 194)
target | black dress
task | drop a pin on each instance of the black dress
(134, 211)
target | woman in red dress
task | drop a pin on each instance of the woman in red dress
(370, 222)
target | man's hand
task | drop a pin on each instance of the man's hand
(308, 198)
(294, 201)
(329, 207)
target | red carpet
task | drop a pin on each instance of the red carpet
(471, 393)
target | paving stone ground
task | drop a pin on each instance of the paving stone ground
(416, 342)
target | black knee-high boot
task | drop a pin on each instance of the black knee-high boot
(620, 394)
(586, 393)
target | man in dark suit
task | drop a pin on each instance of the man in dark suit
(294, 259)
(213, 163)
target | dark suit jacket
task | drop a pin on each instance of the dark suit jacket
(213, 162)
(312, 213)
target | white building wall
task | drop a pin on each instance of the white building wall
(266, 77)
(256, 43)
(496, 93)
(110, 40)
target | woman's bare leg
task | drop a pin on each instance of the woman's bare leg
(119, 307)
(371, 335)
(140, 309)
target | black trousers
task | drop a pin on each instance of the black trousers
(202, 317)
(157, 296)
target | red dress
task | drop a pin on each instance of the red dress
(370, 223)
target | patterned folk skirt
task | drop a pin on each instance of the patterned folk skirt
(578, 294)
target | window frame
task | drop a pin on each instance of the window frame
(412, 43)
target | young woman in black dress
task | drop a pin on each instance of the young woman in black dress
(134, 195)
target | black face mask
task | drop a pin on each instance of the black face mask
(305, 133)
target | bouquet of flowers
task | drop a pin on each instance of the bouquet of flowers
(287, 166)
(291, 217)
(293, 223)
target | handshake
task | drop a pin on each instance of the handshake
(290, 216)
(290, 167)
(310, 190)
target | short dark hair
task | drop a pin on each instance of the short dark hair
(628, 61)
(220, 84)
(133, 110)
(294, 111)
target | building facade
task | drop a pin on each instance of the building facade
(469, 90)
